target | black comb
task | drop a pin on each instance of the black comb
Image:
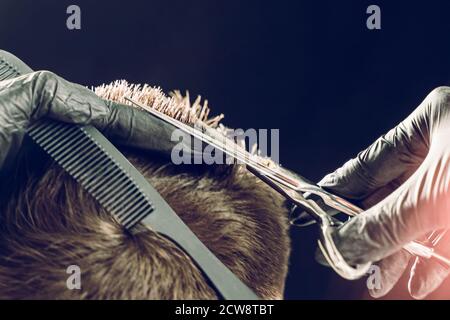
(102, 170)
(78, 151)
(6, 71)
(106, 174)
(11, 66)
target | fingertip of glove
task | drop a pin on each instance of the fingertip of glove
(426, 276)
(416, 289)
(329, 181)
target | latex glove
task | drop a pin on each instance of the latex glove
(408, 169)
(29, 97)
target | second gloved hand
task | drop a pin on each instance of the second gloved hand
(404, 180)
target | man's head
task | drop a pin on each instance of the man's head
(51, 223)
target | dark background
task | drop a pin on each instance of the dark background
(310, 68)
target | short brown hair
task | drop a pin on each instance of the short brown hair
(50, 223)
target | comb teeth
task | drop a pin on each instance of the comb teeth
(7, 71)
(73, 148)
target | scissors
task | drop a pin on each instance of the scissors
(297, 190)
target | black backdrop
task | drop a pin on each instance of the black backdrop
(310, 68)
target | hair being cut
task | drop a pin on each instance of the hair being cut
(49, 223)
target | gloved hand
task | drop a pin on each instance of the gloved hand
(29, 97)
(404, 180)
